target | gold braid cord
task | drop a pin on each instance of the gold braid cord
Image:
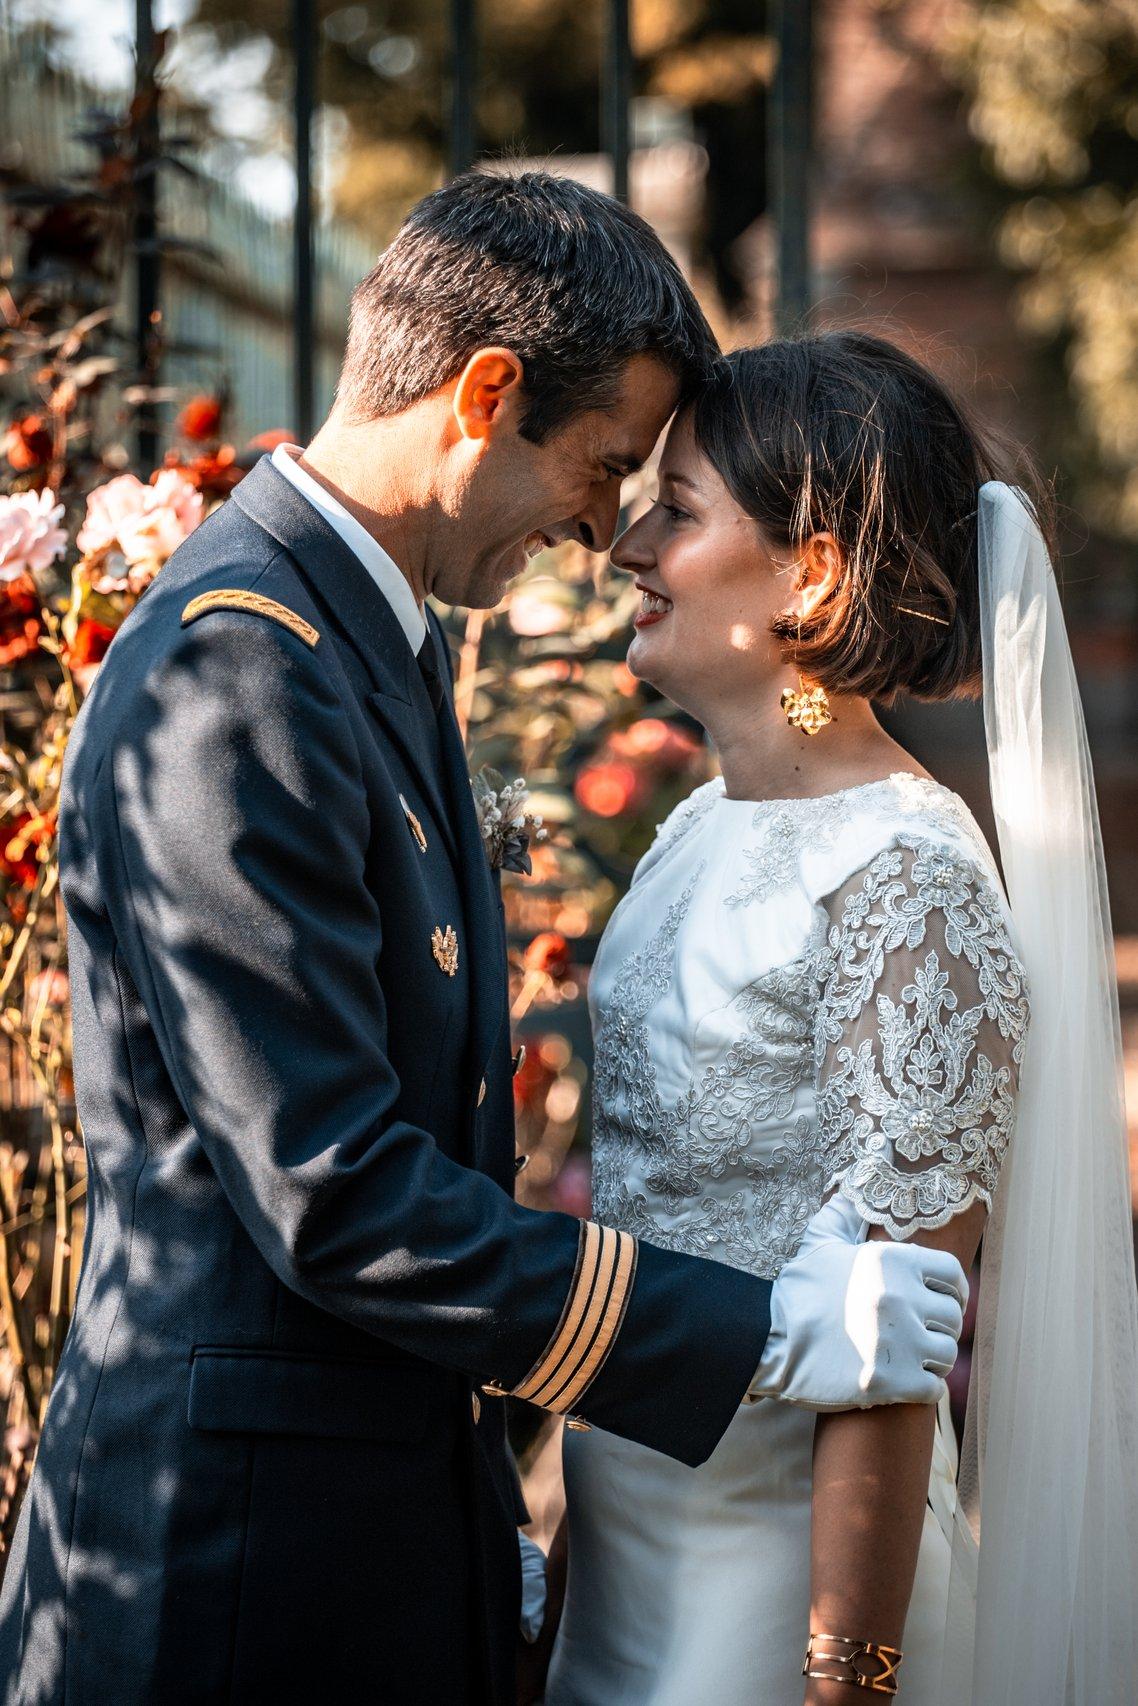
(237, 598)
(861, 1664)
(593, 1314)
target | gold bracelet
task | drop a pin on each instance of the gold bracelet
(850, 1659)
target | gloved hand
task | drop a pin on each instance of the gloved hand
(854, 1323)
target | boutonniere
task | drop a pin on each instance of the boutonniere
(506, 824)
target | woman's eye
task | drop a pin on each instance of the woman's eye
(676, 513)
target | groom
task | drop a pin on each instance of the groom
(274, 1466)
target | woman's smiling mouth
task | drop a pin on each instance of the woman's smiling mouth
(653, 607)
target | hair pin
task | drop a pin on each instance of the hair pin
(924, 616)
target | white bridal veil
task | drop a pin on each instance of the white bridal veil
(1045, 1611)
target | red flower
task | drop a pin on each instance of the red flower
(549, 953)
(18, 842)
(213, 475)
(268, 441)
(28, 443)
(200, 419)
(20, 622)
(607, 790)
(90, 643)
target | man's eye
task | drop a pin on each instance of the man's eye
(614, 473)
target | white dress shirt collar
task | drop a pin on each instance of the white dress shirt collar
(386, 574)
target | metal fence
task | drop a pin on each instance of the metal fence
(236, 312)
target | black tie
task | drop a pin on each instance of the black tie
(429, 669)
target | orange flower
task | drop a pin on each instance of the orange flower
(607, 790)
(549, 953)
(200, 419)
(90, 643)
(268, 441)
(653, 738)
(28, 443)
(214, 476)
(20, 621)
(18, 842)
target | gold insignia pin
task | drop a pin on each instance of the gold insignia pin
(414, 825)
(444, 946)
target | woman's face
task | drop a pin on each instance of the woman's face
(711, 587)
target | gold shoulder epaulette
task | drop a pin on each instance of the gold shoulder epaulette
(590, 1322)
(237, 598)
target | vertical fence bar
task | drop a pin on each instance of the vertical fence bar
(789, 127)
(304, 41)
(616, 95)
(147, 334)
(464, 61)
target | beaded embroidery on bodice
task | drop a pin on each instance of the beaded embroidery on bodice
(799, 996)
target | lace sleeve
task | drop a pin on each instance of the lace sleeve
(919, 1037)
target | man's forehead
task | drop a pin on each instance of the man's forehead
(631, 427)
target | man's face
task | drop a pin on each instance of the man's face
(519, 498)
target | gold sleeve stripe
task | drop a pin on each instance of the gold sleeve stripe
(588, 1246)
(593, 1315)
(238, 598)
(560, 1375)
(611, 1323)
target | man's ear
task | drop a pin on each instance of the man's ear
(486, 384)
(817, 571)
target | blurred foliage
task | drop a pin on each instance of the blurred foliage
(1053, 90)
(386, 69)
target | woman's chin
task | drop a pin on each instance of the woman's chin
(644, 657)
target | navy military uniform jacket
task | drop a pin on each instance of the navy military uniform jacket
(267, 1471)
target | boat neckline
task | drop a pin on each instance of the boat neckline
(838, 793)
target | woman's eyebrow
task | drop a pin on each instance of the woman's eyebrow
(679, 479)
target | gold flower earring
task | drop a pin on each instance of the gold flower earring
(809, 708)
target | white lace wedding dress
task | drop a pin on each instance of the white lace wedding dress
(793, 995)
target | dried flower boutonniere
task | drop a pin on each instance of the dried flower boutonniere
(507, 826)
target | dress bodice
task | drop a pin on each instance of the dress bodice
(797, 996)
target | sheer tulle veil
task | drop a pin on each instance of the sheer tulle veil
(1043, 1597)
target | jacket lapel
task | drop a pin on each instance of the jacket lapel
(363, 619)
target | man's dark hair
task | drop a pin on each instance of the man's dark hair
(569, 279)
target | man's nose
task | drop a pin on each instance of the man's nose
(596, 524)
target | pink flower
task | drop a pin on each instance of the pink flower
(145, 523)
(30, 535)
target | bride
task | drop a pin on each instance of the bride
(815, 988)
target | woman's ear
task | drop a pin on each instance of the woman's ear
(816, 573)
(489, 378)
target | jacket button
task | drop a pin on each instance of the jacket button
(493, 1389)
(519, 1059)
(578, 1424)
(482, 1092)
(476, 1407)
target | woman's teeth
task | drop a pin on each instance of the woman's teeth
(654, 604)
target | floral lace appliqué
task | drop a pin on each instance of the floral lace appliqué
(919, 1041)
(785, 828)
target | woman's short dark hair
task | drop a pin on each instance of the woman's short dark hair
(569, 279)
(844, 433)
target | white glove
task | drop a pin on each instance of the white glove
(533, 1587)
(855, 1324)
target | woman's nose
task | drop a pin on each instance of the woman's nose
(632, 551)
